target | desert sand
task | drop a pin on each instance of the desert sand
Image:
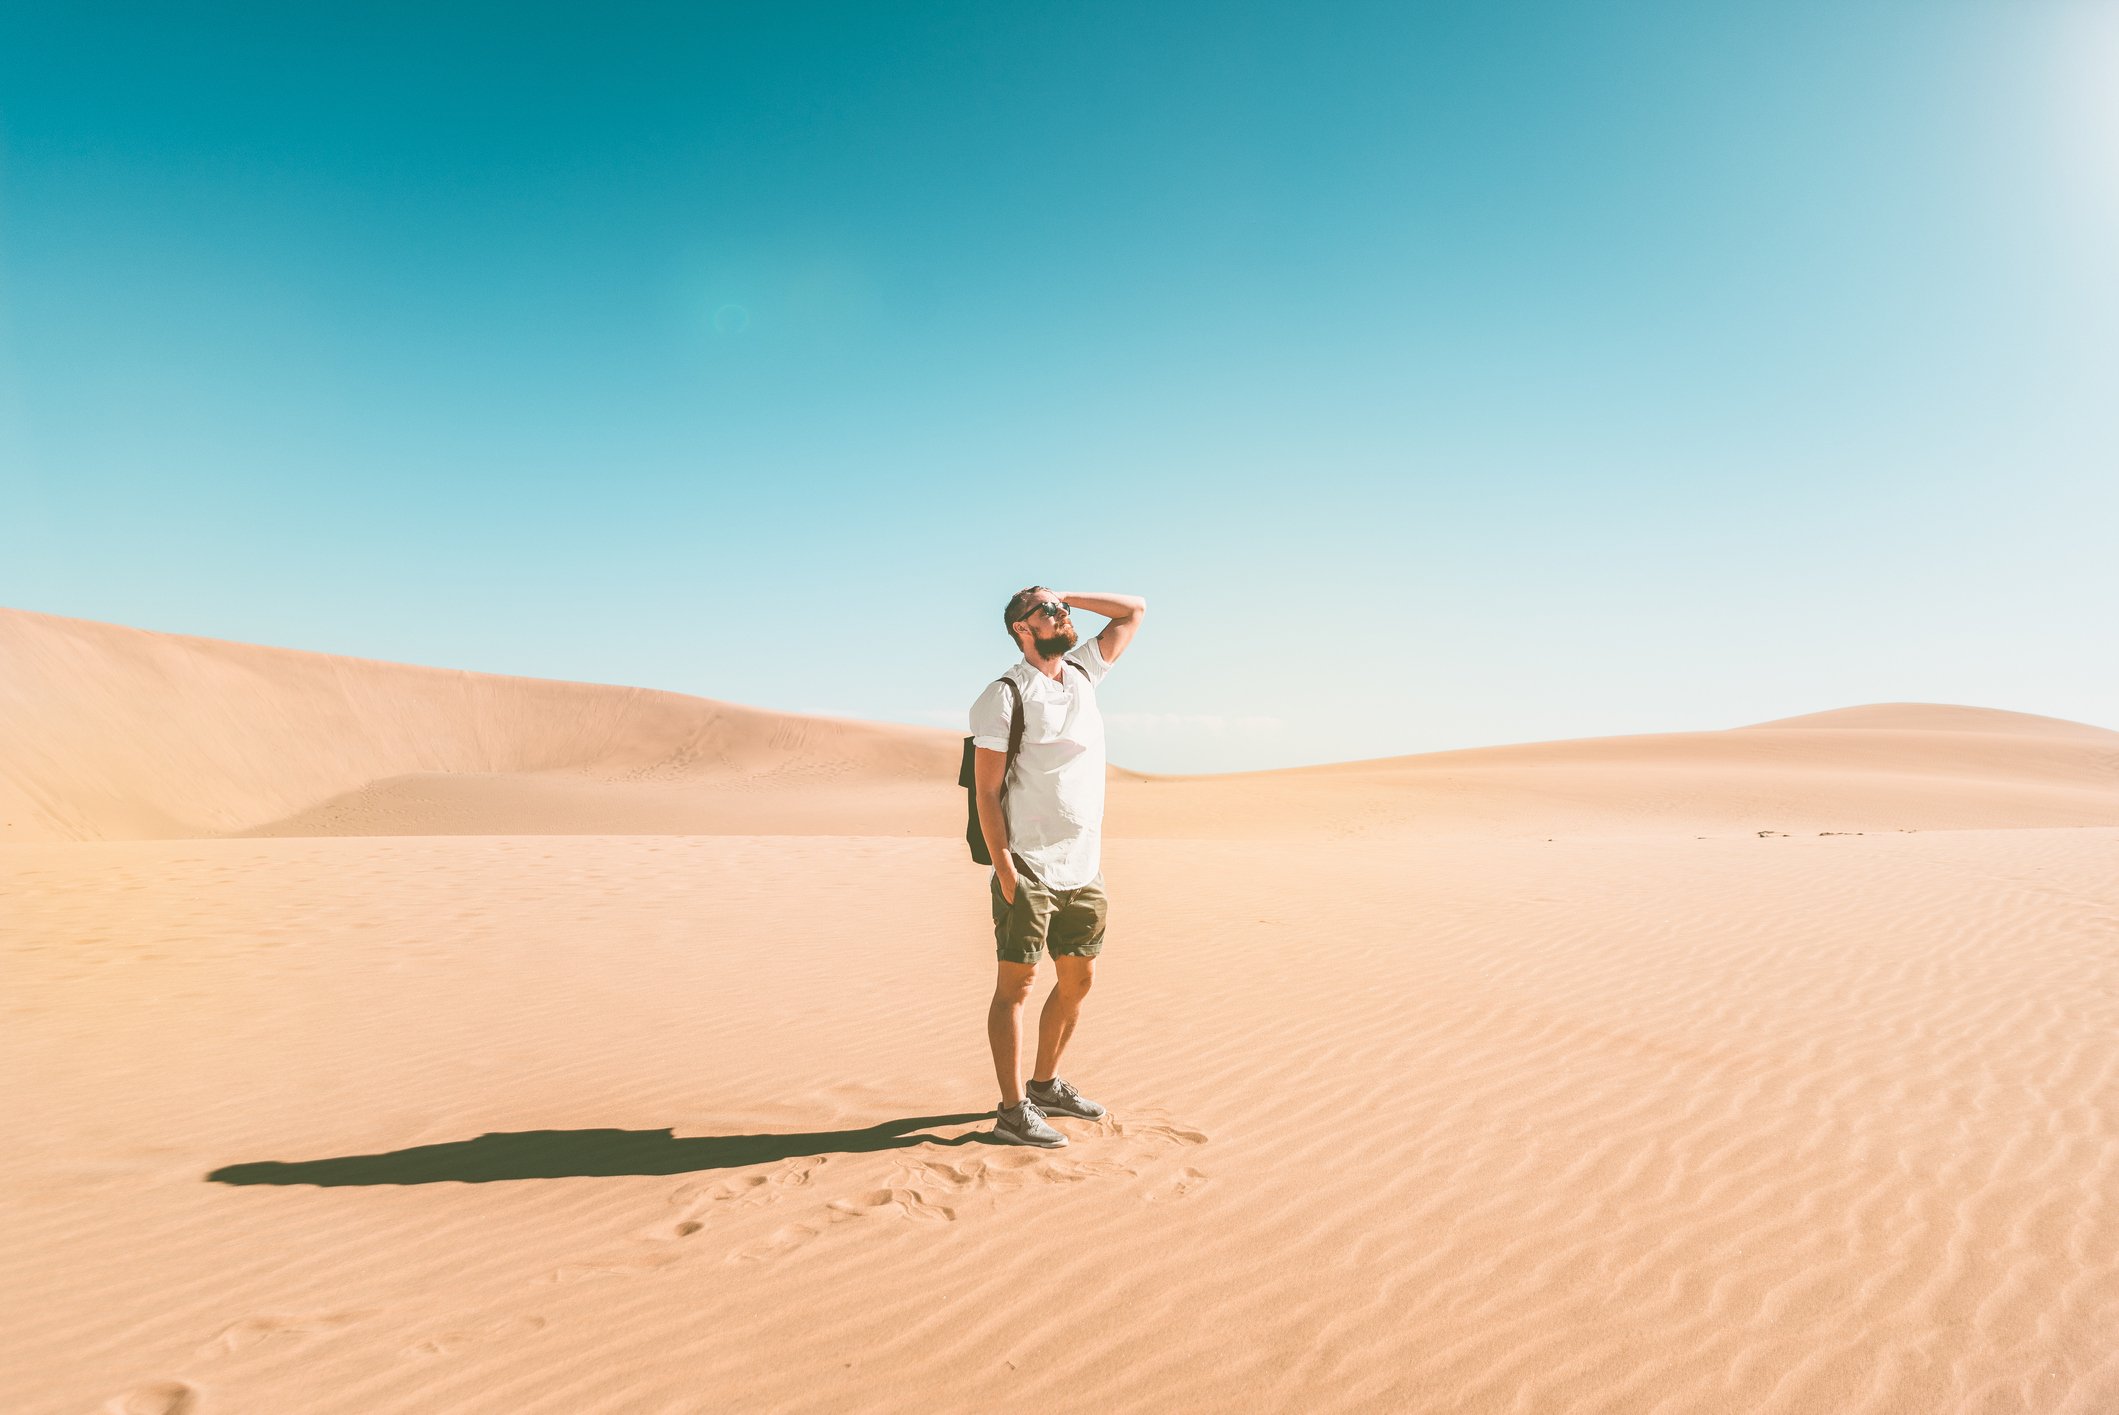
(385, 1039)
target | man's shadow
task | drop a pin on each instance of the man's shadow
(567, 1154)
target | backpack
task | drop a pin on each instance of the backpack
(974, 836)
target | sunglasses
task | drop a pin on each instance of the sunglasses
(1045, 606)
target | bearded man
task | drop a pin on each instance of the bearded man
(1042, 817)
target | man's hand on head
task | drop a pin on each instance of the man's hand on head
(1125, 612)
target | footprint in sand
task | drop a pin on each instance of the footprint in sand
(888, 1203)
(1105, 1150)
(1158, 1132)
(782, 1240)
(1012, 1170)
(1153, 1140)
(1186, 1181)
(161, 1398)
(924, 1190)
(1142, 1149)
(478, 1333)
(897, 1202)
(697, 1201)
(251, 1331)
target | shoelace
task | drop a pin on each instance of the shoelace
(1060, 1090)
(1031, 1110)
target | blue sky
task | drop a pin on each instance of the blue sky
(1443, 375)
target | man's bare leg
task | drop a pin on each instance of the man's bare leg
(1055, 1025)
(1004, 1027)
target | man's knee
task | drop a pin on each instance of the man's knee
(1075, 976)
(1012, 987)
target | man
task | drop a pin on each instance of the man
(1045, 835)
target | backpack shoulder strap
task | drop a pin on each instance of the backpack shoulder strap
(1015, 719)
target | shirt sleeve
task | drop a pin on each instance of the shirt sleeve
(1088, 656)
(989, 718)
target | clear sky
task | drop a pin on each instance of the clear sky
(1444, 375)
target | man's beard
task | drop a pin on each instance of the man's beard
(1059, 643)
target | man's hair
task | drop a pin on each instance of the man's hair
(1019, 605)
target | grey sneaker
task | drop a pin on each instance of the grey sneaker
(1059, 1098)
(1025, 1125)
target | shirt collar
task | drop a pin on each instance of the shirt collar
(1027, 671)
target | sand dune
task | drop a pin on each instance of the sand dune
(124, 734)
(1475, 1082)
(1900, 769)
(119, 733)
(1941, 717)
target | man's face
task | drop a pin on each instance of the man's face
(1052, 633)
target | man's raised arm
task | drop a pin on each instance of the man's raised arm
(1125, 612)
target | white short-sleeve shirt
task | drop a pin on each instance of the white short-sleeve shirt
(1054, 802)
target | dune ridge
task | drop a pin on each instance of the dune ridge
(117, 733)
(120, 733)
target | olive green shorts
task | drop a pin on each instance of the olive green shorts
(1068, 922)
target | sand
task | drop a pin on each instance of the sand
(1769, 1069)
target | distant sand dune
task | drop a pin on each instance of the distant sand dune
(116, 733)
(1985, 770)
(1943, 717)
(119, 733)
